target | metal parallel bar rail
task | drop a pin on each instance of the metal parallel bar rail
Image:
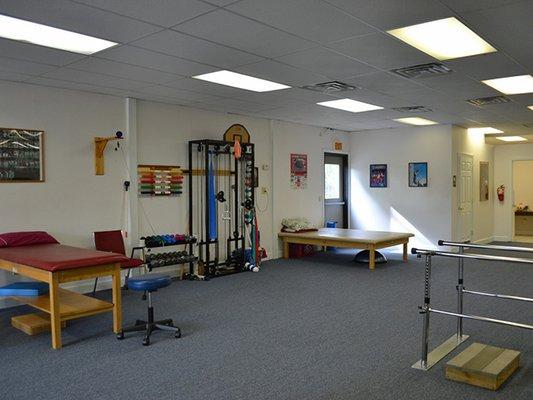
(462, 245)
(429, 359)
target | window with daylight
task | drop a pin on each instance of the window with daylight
(333, 185)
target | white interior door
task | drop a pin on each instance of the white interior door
(465, 197)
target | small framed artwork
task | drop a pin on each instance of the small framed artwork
(21, 155)
(483, 180)
(418, 174)
(378, 175)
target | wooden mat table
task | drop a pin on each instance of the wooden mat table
(348, 238)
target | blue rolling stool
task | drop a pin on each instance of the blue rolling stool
(149, 283)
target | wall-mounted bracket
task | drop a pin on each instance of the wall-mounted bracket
(99, 146)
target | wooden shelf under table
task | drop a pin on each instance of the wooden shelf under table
(71, 304)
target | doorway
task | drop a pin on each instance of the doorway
(465, 198)
(336, 189)
(522, 196)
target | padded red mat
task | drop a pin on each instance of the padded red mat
(58, 257)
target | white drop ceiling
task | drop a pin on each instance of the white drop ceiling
(295, 42)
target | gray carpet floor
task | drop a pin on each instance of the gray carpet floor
(305, 329)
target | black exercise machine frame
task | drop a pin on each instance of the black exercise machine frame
(204, 244)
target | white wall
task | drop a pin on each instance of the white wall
(523, 183)
(309, 203)
(483, 211)
(425, 212)
(72, 202)
(504, 155)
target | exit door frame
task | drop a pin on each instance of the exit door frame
(346, 186)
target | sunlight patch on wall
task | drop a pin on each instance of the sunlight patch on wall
(364, 208)
(398, 223)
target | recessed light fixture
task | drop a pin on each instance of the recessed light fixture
(512, 85)
(511, 138)
(43, 35)
(241, 81)
(443, 39)
(416, 121)
(486, 129)
(530, 107)
(350, 105)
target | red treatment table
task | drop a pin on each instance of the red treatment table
(55, 263)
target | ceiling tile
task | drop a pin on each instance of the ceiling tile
(14, 76)
(234, 105)
(227, 28)
(387, 14)
(381, 51)
(189, 96)
(150, 59)
(30, 52)
(459, 86)
(185, 46)
(476, 5)
(310, 19)
(508, 28)
(221, 3)
(487, 66)
(78, 18)
(76, 86)
(160, 12)
(90, 78)
(326, 62)
(24, 67)
(121, 70)
(282, 73)
(384, 82)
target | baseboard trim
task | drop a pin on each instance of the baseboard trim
(485, 240)
(502, 238)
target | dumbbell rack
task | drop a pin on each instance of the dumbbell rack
(189, 259)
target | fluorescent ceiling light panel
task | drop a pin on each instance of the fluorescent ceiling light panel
(512, 85)
(511, 138)
(241, 81)
(416, 121)
(350, 105)
(486, 129)
(42, 35)
(530, 107)
(443, 39)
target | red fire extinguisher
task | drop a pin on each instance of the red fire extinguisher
(501, 192)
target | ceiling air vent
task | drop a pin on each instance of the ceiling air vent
(423, 71)
(330, 87)
(485, 101)
(413, 109)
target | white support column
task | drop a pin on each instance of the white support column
(132, 161)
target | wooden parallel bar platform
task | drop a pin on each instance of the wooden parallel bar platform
(33, 324)
(484, 366)
(71, 304)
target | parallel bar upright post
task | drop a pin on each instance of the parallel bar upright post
(460, 292)
(426, 312)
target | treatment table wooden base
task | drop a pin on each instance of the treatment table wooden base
(349, 238)
(56, 264)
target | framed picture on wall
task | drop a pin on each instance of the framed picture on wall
(21, 155)
(418, 174)
(378, 175)
(483, 180)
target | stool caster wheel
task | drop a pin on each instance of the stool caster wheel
(146, 342)
(120, 335)
(177, 335)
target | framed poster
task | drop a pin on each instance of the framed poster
(483, 180)
(21, 155)
(299, 171)
(418, 174)
(378, 175)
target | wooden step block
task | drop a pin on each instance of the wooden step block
(484, 366)
(33, 324)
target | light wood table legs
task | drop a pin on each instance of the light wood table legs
(405, 252)
(117, 298)
(55, 313)
(372, 257)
